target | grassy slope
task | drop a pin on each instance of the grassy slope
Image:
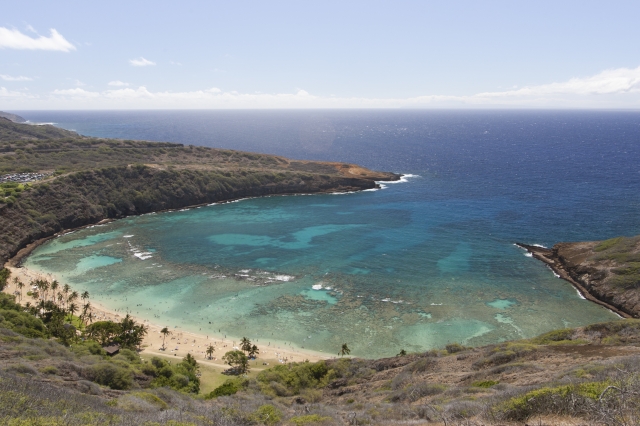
(610, 270)
(562, 373)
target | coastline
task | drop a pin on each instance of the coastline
(181, 342)
(152, 342)
(546, 256)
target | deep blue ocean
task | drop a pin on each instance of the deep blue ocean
(415, 265)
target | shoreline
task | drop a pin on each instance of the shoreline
(297, 354)
(181, 342)
(545, 255)
(16, 260)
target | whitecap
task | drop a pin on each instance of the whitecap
(403, 179)
(127, 236)
(284, 278)
(316, 287)
(538, 245)
(580, 294)
(436, 304)
(143, 255)
(528, 254)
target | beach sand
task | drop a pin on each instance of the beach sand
(179, 342)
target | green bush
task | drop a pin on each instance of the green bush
(485, 383)
(296, 376)
(108, 374)
(558, 400)
(229, 387)
(309, 419)
(267, 415)
(454, 347)
(607, 244)
(553, 337)
(49, 370)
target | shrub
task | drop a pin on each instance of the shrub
(22, 369)
(108, 374)
(454, 347)
(50, 369)
(267, 414)
(607, 244)
(309, 419)
(567, 399)
(485, 383)
(230, 387)
(553, 336)
(414, 392)
(422, 365)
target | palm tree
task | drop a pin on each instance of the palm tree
(85, 295)
(344, 350)
(165, 332)
(245, 344)
(66, 289)
(20, 285)
(54, 287)
(254, 351)
(86, 310)
(44, 285)
(60, 298)
(210, 351)
(73, 308)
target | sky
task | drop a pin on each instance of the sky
(319, 54)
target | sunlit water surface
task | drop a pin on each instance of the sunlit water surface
(413, 266)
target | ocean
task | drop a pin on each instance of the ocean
(415, 265)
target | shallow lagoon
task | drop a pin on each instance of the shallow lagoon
(297, 269)
(414, 266)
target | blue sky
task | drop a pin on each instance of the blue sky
(319, 54)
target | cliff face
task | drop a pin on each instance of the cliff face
(90, 196)
(608, 271)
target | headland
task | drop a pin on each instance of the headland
(604, 272)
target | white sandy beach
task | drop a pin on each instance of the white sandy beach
(179, 342)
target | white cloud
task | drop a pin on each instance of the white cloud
(14, 39)
(4, 93)
(614, 88)
(620, 80)
(76, 93)
(176, 63)
(18, 78)
(117, 83)
(141, 62)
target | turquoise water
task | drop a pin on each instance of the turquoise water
(317, 271)
(413, 266)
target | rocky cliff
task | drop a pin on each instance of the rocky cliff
(606, 272)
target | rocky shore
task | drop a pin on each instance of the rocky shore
(602, 271)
